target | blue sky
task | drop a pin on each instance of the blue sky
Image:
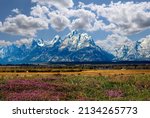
(26, 19)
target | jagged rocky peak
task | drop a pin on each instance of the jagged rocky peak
(75, 41)
(37, 42)
(56, 40)
(57, 37)
(85, 38)
(72, 33)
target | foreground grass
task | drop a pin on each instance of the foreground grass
(74, 87)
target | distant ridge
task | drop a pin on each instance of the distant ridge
(103, 62)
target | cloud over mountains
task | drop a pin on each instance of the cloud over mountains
(23, 25)
(124, 18)
(119, 18)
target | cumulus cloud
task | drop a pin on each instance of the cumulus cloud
(67, 18)
(143, 47)
(84, 19)
(114, 42)
(124, 18)
(57, 3)
(0, 24)
(5, 43)
(17, 11)
(145, 43)
(25, 41)
(19, 42)
(86, 25)
(120, 18)
(23, 25)
(124, 48)
(39, 11)
(58, 21)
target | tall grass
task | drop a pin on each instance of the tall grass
(75, 87)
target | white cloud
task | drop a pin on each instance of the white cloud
(145, 43)
(17, 11)
(57, 3)
(114, 43)
(86, 25)
(58, 21)
(84, 19)
(124, 18)
(5, 43)
(39, 11)
(143, 47)
(124, 48)
(25, 41)
(23, 25)
(0, 24)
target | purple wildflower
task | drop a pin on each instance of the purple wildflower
(114, 93)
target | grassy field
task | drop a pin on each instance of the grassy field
(78, 85)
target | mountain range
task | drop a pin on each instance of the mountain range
(74, 47)
(125, 49)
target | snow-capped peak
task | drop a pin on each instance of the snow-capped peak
(86, 39)
(2, 52)
(75, 41)
(40, 42)
(143, 47)
(57, 37)
(37, 42)
(55, 40)
(72, 33)
(115, 44)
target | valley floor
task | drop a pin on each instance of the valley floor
(79, 85)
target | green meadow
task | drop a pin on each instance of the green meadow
(118, 85)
